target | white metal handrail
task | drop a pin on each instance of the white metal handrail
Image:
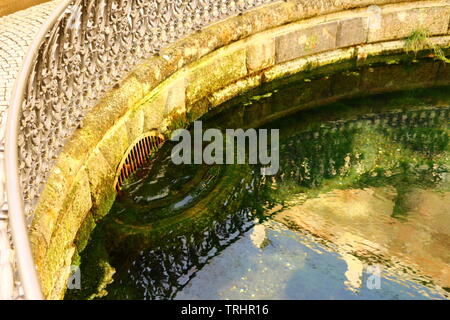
(18, 226)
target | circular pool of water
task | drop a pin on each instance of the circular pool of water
(357, 210)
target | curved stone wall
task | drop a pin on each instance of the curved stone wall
(93, 44)
(199, 73)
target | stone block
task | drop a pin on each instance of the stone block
(65, 272)
(84, 233)
(215, 72)
(352, 32)
(261, 55)
(45, 217)
(150, 73)
(305, 42)
(165, 100)
(153, 112)
(135, 125)
(397, 25)
(175, 95)
(76, 206)
(114, 145)
(113, 106)
(101, 182)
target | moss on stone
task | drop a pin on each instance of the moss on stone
(95, 275)
(114, 145)
(215, 72)
(84, 233)
(135, 126)
(101, 181)
(173, 122)
(74, 210)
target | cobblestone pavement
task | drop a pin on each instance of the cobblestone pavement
(17, 32)
(11, 6)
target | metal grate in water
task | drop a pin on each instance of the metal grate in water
(137, 156)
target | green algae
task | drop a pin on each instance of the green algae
(418, 41)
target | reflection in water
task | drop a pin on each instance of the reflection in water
(362, 188)
(292, 266)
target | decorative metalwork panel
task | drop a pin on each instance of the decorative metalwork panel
(93, 46)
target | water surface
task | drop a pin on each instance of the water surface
(363, 188)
